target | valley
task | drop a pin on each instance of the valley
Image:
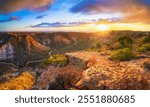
(75, 61)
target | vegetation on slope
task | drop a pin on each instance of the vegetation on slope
(96, 48)
(122, 42)
(144, 46)
(146, 40)
(23, 82)
(122, 54)
(56, 60)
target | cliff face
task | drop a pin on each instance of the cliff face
(19, 48)
(7, 52)
(33, 44)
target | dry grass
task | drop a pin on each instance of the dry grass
(23, 82)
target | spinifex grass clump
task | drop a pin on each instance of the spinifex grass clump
(125, 41)
(145, 46)
(122, 42)
(122, 54)
(96, 48)
(23, 82)
(56, 60)
(146, 40)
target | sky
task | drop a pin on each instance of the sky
(74, 15)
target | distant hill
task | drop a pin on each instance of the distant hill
(32, 44)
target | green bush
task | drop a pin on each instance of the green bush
(121, 42)
(96, 48)
(98, 45)
(146, 40)
(93, 50)
(122, 54)
(125, 41)
(144, 48)
(115, 46)
(58, 60)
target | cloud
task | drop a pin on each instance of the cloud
(41, 16)
(12, 18)
(56, 24)
(108, 20)
(77, 23)
(8, 6)
(60, 24)
(132, 10)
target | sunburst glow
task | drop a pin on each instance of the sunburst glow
(102, 27)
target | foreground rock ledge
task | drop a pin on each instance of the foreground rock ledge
(93, 71)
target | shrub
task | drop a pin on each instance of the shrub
(96, 48)
(23, 82)
(121, 42)
(93, 50)
(146, 40)
(60, 60)
(144, 48)
(115, 46)
(125, 41)
(98, 45)
(122, 54)
(44, 64)
(146, 65)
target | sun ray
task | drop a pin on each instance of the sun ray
(102, 27)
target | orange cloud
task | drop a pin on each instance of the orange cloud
(7, 6)
(131, 10)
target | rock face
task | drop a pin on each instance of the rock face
(114, 76)
(146, 65)
(7, 52)
(59, 77)
(119, 75)
(7, 72)
(102, 73)
(95, 71)
(20, 48)
(83, 59)
(26, 46)
(33, 44)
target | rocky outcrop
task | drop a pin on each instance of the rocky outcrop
(20, 48)
(7, 52)
(7, 72)
(59, 78)
(99, 74)
(83, 59)
(146, 65)
(129, 75)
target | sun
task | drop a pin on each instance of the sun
(102, 27)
